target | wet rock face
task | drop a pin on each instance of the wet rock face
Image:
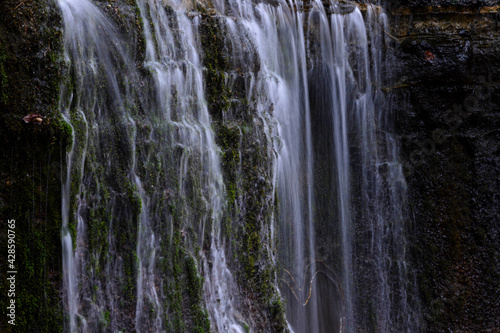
(447, 96)
(30, 160)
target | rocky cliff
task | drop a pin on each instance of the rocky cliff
(446, 95)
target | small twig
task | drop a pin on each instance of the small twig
(291, 276)
(311, 282)
(20, 4)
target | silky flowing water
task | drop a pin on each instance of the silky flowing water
(315, 75)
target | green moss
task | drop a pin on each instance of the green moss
(215, 63)
(228, 139)
(277, 315)
(246, 179)
(195, 289)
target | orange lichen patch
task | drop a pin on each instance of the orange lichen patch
(489, 10)
(429, 56)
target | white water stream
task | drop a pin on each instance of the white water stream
(334, 164)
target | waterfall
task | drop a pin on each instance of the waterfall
(168, 62)
(94, 52)
(281, 90)
(337, 170)
(144, 198)
(363, 175)
(176, 120)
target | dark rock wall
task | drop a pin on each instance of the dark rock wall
(446, 94)
(31, 160)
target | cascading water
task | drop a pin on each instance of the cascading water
(363, 178)
(382, 270)
(177, 120)
(177, 64)
(281, 89)
(144, 193)
(330, 181)
(94, 57)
